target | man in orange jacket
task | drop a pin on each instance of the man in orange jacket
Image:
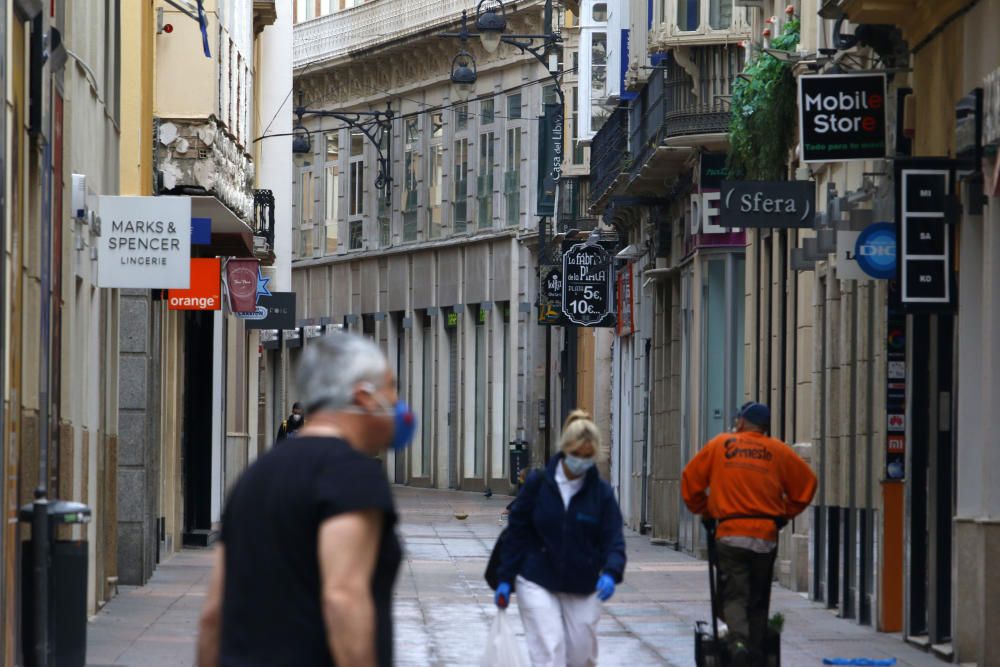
(749, 474)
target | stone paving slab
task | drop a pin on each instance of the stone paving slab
(443, 608)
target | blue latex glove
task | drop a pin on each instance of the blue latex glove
(502, 597)
(605, 587)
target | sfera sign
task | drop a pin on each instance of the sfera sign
(145, 242)
(842, 117)
(768, 204)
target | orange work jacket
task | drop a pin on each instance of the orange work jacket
(747, 473)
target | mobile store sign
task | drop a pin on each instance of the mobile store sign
(205, 292)
(145, 242)
(842, 117)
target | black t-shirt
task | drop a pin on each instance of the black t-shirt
(271, 611)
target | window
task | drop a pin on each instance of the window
(512, 177)
(384, 203)
(484, 183)
(600, 12)
(688, 14)
(461, 176)
(307, 208)
(436, 189)
(577, 144)
(411, 178)
(487, 113)
(427, 395)
(598, 79)
(437, 125)
(549, 95)
(331, 189)
(720, 14)
(356, 199)
(461, 117)
(514, 106)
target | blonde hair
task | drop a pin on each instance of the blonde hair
(577, 430)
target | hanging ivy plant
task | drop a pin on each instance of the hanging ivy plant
(762, 129)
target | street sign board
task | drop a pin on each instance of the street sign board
(205, 291)
(842, 117)
(925, 235)
(768, 204)
(145, 242)
(875, 250)
(550, 157)
(276, 311)
(587, 290)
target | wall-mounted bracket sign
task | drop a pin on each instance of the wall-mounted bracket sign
(145, 242)
(205, 291)
(923, 196)
(875, 250)
(768, 204)
(588, 287)
(274, 311)
(842, 117)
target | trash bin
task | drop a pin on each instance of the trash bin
(518, 460)
(67, 588)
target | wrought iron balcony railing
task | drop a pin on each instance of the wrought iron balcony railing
(609, 153)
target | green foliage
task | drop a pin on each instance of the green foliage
(777, 622)
(762, 129)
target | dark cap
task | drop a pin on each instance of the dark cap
(757, 414)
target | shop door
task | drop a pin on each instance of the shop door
(930, 487)
(453, 416)
(196, 443)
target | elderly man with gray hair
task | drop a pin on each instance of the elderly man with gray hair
(308, 555)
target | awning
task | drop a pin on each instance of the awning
(231, 237)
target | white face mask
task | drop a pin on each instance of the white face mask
(577, 466)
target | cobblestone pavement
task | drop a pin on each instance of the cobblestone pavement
(444, 608)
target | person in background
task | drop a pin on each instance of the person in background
(748, 474)
(308, 556)
(292, 423)
(564, 551)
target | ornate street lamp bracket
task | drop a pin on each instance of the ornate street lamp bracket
(373, 124)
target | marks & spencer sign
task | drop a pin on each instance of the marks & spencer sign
(842, 117)
(145, 242)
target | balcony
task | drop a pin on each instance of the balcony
(609, 155)
(374, 24)
(684, 107)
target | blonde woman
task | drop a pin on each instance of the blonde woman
(564, 551)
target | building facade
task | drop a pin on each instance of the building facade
(439, 267)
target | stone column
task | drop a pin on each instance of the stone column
(137, 445)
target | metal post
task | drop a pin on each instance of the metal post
(3, 289)
(39, 526)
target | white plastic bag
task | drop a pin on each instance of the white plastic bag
(501, 645)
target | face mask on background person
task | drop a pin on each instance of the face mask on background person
(577, 465)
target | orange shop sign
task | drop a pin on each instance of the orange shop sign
(205, 292)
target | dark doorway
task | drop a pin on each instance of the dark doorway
(196, 443)
(931, 478)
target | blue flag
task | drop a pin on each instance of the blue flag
(203, 23)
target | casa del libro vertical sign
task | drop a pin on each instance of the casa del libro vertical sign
(145, 242)
(842, 117)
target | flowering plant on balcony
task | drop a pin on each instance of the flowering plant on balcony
(762, 129)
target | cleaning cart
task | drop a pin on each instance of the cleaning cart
(710, 650)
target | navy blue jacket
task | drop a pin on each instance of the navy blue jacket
(563, 551)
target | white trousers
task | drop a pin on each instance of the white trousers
(561, 628)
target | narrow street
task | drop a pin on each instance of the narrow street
(444, 607)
